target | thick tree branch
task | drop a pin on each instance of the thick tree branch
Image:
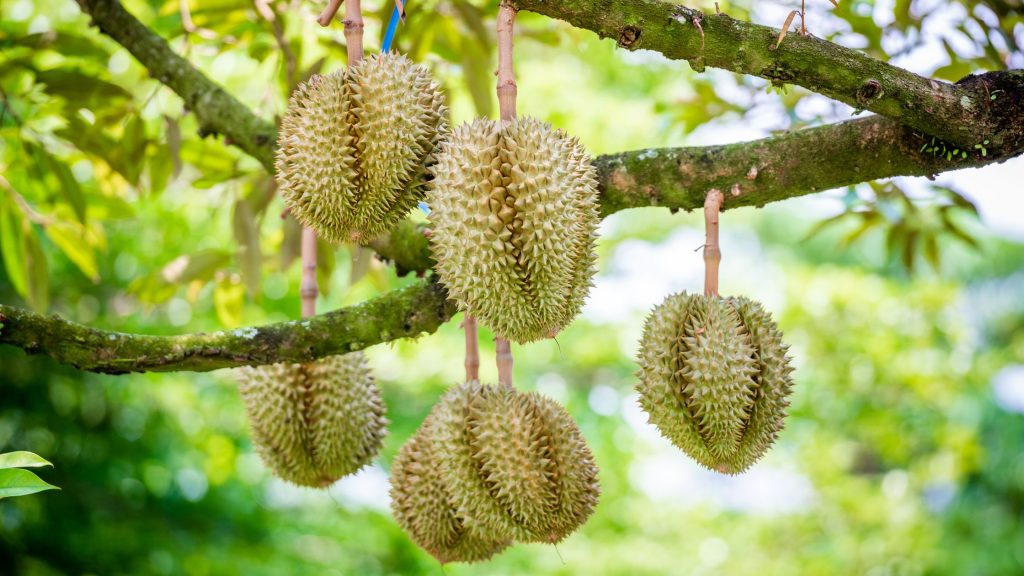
(751, 173)
(963, 114)
(403, 313)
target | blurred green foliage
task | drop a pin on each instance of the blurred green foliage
(115, 212)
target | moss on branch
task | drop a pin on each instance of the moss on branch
(752, 173)
(403, 313)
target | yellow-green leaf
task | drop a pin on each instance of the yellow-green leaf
(21, 482)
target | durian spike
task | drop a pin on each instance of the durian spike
(505, 25)
(712, 253)
(472, 349)
(506, 74)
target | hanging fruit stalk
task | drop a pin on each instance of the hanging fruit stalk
(505, 27)
(712, 252)
(472, 348)
(353, 31)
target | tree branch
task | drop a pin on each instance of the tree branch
(217, 111)
(752, 173)
(963, 114)
(403, 313)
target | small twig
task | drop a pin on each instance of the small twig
(291, 65)
(472, 349)
(712, 252)
(328, 14)
(189, 26)
(186, 17)
(696, 22)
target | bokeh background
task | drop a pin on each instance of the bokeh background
(904, 450)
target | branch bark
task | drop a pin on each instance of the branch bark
(962, 114)
(752, 173)
(403, 313)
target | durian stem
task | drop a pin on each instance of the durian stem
(505, 25)
(472, 349)
(308, 290)
(506, 73)
(354, 50)
(712, 253)
(503, 353)
(353, 31)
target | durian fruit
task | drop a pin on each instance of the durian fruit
(316, 422)
(514, 219)
(513, 465)
(714, 378)
(422, 505)
(355, 145)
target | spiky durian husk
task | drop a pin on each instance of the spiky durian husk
(355, 145)
(514, 218)
(423, 506)
(515, 464)
(714, 378)
(314, 423)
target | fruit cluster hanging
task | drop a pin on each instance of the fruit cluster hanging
(513, 216)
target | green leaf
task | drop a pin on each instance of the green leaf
(12, 246)
(38, 275)
(22, 459)
(868, 220)
(478, 78)
(69, 44)
(325, 264)
(228, 299)
(20, 482)
(823, 224)
(291, 243)
(362, 258)
(80, 88)
(161, 285)
(247, 236)
(69, 187)
(931, 250)
(73, 241)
